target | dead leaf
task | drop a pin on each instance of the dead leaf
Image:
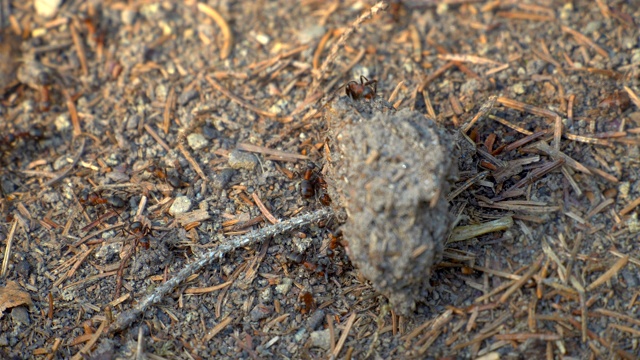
(12, 295)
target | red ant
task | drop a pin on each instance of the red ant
(9, 139)
(307, 188)
(312, 182)
(161, 173)
(365, 90)
(141, 232)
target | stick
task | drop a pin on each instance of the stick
(251, 238)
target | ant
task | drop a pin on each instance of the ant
(7, 141)
(141, 232)
(161, 173)
(307, 188)
(312, 182)
(367, 89)
(87, 198)
(90, 199)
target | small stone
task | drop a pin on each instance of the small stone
(186, 96)
(311, 33)
(442, 8)
(51, 197)
(260, 312)
(197, 141)
(62, 122)
(128, 16)
(3, 340)
(320, 339)
(222, 179)
(46, 8)
(180, 205)
(20, 316)
(266, 295)
(61, 162)
(132, 122)
(210, 132)
(109, 251)
(278, 107)
(23, 268)
(284, 286)
(519, 88)
(263, 39)
(113, 160)
(242, 160)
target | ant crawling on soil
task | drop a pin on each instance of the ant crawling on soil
(367, 89)
(141, 232)
(311, 182)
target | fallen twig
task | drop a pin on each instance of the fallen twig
(254, 237)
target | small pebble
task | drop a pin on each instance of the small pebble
(46, 8)
(266, 295)
(222, 179)
(242, 160)
(186, 96)
(20, 316)
(519, 88)
(180, 205)
(284, 286)
(62, 122)
(320, 339)
(210, 132)
(260, 312)
(128, 16)
(197, 141)
(311, 33)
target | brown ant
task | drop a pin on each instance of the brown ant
(141, 232)
(90, 199)
(307, 186)
(87, 198)
(34, 133)
(161, 173)
(367, 89)
(313, 184)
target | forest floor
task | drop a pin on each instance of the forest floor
(139, 136)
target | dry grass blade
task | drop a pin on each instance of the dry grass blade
(272, 219)
(473, 59)
(227, 34)
(586, 41)
(273, 152)
(85, 349)
(7, 249)
(343, 336)
(629, 208)
(245, 104)
(216, 329)
(622, 262)
(535, 110)
(467, 232)
(519, 283)
(632, 96)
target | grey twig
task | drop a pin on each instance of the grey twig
(251, 238)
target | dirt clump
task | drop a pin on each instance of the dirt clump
(398, 217)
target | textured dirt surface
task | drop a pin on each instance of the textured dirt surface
(137, 136)
(397, 216)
